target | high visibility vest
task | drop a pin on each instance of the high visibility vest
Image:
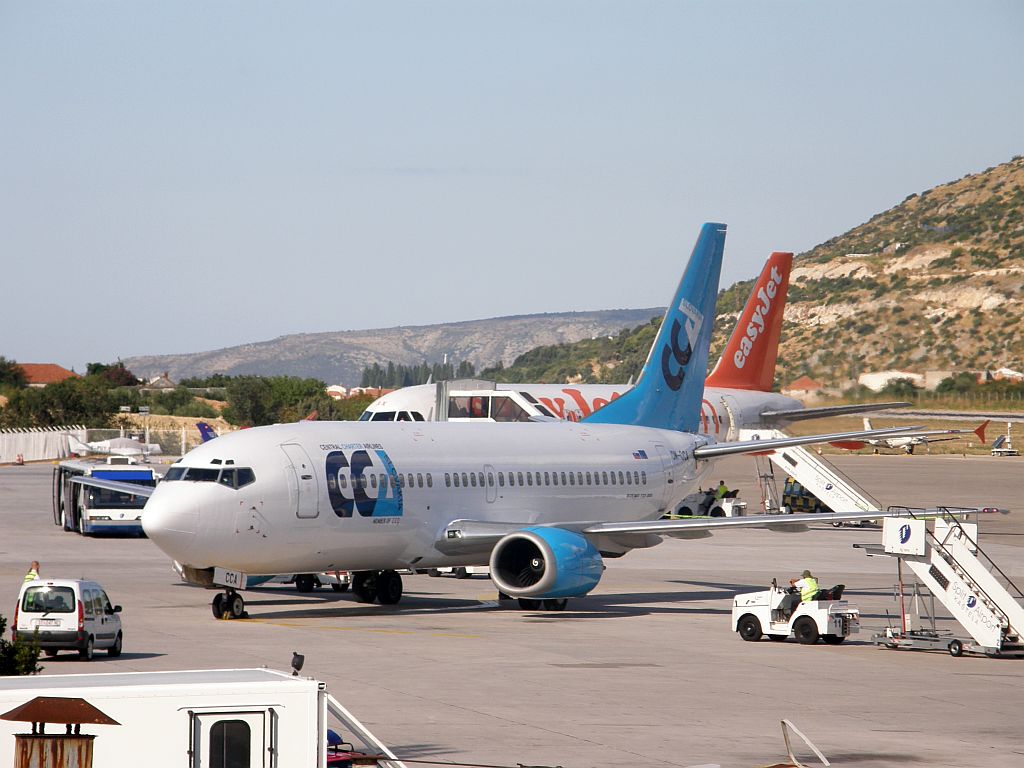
(721, 491)
(809, 589)
(31, 575)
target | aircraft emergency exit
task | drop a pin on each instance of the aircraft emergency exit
(542, 503)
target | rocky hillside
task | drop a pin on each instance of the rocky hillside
(932, 284)
(339, 357)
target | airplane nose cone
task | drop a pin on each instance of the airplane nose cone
(171, 525)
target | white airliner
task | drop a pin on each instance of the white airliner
(737, 393)
(116, 446)
(909, 443)
(541, 503)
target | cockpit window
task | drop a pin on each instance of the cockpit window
(504, 408)
(383, 416)
(232, 477)
(366, 416)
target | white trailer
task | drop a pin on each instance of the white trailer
(253, 717)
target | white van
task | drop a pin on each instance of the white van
(69, 615)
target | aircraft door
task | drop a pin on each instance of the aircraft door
(238, 739)
(668, 473)
(732, 418)
(302, 481)
(490, 483)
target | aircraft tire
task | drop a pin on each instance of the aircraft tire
(304, 582)
(364, 586)
(218, 605)
(389, 587)
(955, 648)
(235, 605)
(339, 587)
(461, 573)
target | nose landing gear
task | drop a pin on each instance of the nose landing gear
(228, 605)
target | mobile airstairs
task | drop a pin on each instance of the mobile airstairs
(941, 550)
(815, 474)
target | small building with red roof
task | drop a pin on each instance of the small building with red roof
(41, 374)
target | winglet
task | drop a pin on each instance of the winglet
(671, 384)
(748, 361)
(980, 431)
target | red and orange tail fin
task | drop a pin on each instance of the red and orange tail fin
(748, 361)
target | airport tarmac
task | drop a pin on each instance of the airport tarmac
(645, 671)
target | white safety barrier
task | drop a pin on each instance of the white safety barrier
(37, 444)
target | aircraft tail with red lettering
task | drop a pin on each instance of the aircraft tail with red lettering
(748, 361)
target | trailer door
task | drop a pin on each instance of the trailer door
(236, 739)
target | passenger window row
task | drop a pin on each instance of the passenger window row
(536, 478)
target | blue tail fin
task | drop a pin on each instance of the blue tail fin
(206, 431)
(671, 383)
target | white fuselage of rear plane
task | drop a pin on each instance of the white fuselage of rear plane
(375, 495)
(723, 411)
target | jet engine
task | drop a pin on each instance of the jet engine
(545, 563)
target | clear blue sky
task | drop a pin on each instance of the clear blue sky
(182, 176)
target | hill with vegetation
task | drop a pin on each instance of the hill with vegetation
(933, 283)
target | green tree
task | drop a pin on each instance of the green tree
(72, 401)
(249, 401)
(903, 388)
(17, 657)
(115, 373)
(11, 374)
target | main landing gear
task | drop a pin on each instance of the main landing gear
(384, 587)
(228, 605)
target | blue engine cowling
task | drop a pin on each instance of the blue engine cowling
(545, 563)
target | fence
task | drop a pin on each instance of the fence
(52, 443)
(37, 444)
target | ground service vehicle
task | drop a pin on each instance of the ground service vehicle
(68, 615)
(829, 618)
(798, 499)
(81, 504)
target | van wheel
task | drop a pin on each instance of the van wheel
(115, 649)
(50, 652)
(86, 653)
(749, 628)
(806, 630)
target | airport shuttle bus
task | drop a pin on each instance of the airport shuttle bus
(81, 504)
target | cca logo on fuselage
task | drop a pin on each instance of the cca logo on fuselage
(364, 481)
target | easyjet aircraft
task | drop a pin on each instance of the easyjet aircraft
(737, 394)
(542, 503)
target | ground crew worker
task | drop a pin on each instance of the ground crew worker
(721, 491)
(808, 588)
(33, 571)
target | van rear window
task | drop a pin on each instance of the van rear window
(49, 600)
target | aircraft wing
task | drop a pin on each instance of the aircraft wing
(802, 414)
(465, 537)
(714, 450)
(113, 485)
